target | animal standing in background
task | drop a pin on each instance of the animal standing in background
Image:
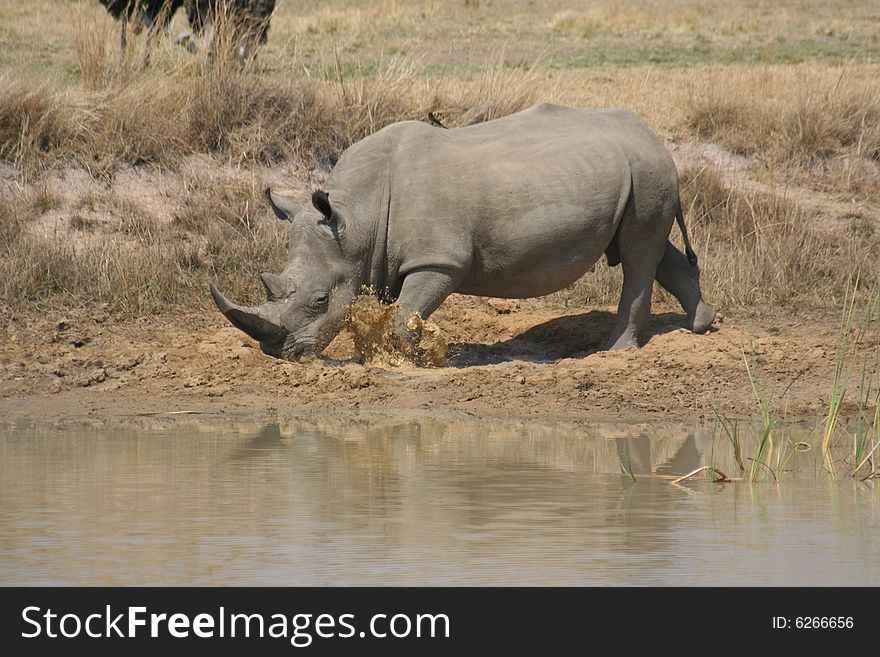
(517, 207)
(248, 19)
(144, 13)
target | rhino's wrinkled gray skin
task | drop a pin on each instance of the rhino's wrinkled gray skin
(517, 207)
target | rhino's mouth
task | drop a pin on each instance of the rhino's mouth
(271, 348)
(289, 348)
(301, 351)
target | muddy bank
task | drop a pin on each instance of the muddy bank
(511, 358)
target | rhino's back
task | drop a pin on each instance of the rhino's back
(578, 125)
(543, 147)
(522, 162)
(538, 135)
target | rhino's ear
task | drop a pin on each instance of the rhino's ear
(283, 209)
(321, 201)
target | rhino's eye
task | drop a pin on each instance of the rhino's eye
(321, 301)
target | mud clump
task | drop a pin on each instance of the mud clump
(371, 325)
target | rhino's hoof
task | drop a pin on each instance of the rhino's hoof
(626, 341)
(702, 319)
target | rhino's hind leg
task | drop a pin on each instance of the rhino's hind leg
(640, 249)
(634, 308)
(682, 280)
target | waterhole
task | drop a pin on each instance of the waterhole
(423, 500)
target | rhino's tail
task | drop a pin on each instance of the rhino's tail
(689, 252)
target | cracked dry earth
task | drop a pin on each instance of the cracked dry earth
(506, 358)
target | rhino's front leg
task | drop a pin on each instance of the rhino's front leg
(422, 293)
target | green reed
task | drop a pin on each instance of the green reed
(764, 435)
(855, 323)
(625, 460)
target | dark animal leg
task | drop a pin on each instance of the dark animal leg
(123, 38)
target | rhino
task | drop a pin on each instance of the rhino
(517, 207)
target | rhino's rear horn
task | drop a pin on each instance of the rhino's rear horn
(275, 286)
(253, 321)
(283, 209)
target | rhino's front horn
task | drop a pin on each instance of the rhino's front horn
(253, 321)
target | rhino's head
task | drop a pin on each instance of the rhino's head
(307, 303)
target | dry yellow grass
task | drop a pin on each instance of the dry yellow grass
(744, 19)
(140, 264)
(821, 121)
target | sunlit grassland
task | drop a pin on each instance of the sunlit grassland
(789, 87)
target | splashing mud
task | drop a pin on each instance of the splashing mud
(371, 325)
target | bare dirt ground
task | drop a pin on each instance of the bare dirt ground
(511, 358)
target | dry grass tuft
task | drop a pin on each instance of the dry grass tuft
(843, 123)
(34, 126)
(500, 91)
(101, 62)
(129, 112)
(207, 197)
(357, 21)
(821, 124)
(142, 265)
(148, 122)
(763, 247)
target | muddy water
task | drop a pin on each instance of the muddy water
(418, 500)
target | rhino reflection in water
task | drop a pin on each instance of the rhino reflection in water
(517, 207)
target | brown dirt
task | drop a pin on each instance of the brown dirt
(512, 358)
